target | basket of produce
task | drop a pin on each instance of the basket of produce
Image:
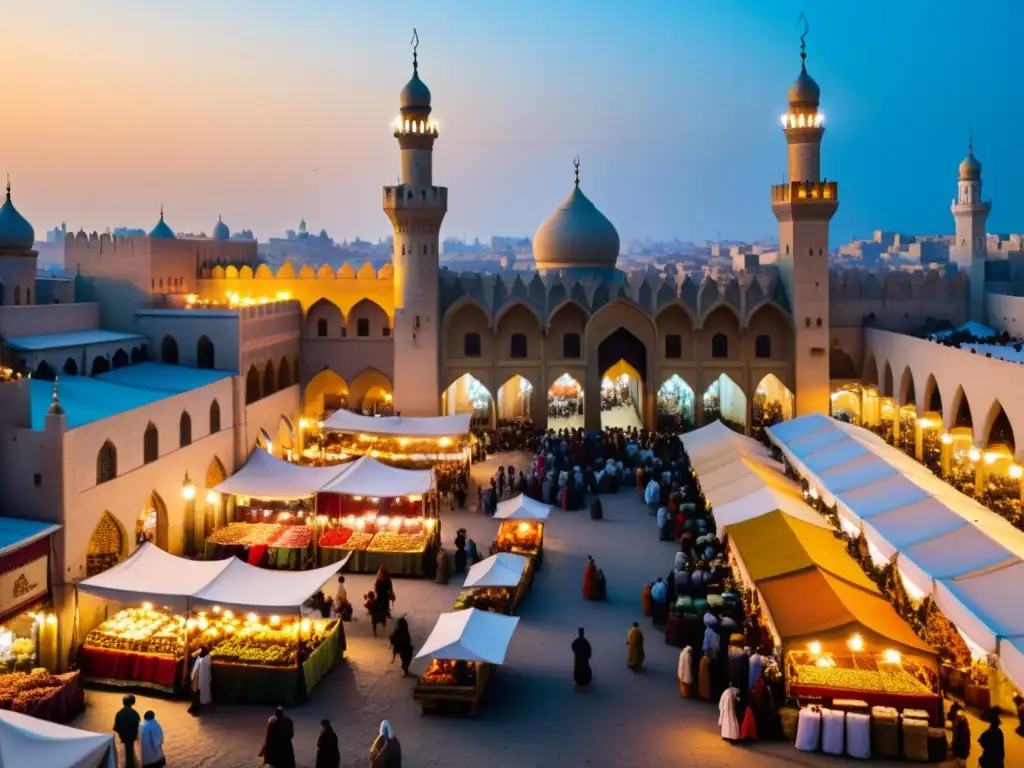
(335, 538)
(393, 541)
(359, 540)
(140, 630)
(293, 537)
(22, 692)
(246, 534)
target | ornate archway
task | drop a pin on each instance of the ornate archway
(326, 393)
(107, 545)
(151, 524)
(619, 331)
(468, 394)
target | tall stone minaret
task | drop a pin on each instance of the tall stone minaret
(416, 208)
(970, 249)
(804, 206)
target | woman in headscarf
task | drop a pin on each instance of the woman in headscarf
(635, 643)
(589, 579)
(581, 672)
(386, 752)
(401, 645)
(685, 672)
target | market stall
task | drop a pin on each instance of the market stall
(522, 528)
(27, 741)
(462, 649)
(415, 442)
(376, 514)
(250, 619)
(497, 583)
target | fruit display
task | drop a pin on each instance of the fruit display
(293, 537)
(888, 678)
(273, 645)
(335, 537)
(245, 534)
(359, 540)
(22, 692)
(520, 535)
(443, 672)
(496, 599)
(141, 630)
(392, 541)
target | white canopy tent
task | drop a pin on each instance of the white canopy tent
(761, 503)
(152, 575)
(268, 477)
(946, 544)
(522, 507)
(501, 570)
(26, 741)
(368, 477)
(245, 587)
(470, 635)
(399, 426)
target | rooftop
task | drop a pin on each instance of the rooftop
(15, 533)
(88, 399)
(71, 339)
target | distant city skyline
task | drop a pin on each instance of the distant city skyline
(265, 113)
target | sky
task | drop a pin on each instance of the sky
(265, 111)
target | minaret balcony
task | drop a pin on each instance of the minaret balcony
(799, 192)
(403, 127)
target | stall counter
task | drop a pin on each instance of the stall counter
(432, 696)
(129, 668)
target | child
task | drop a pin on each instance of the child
(378, 613)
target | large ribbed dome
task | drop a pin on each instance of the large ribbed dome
(804, 92)
(16, 234)
(220, 230)
(576, 235)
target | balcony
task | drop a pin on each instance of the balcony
(806, 192)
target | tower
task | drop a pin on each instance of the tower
(416, 209)
(804, 206)
(969, 249)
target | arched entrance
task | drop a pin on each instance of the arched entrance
(565, 403)
(326, 393)
(44, 372)
(370, 393)
(846, 403)
(107, 545)
(675, 405)
(468, 395)
(622, 397)
(773, 402)
(151, 524)
(514, 399)
(215, 513)
(620, 331)
(100, 365)
(70, 367)
(724, 400)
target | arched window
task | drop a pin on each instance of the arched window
(719, 345)
(517, 346)
(763, 346)
(169, 351)
(17, 295)
(185, 430)
(284, 375)
(120, 359)
(321, 327)
(252, 385)
(70, 367)
(100, 365)
(204, 353)
(571, 346)
(269, 380)
(214, 417)
(150, 444)
(106, 463)
(471, 345)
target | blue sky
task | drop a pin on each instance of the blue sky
(226, 107)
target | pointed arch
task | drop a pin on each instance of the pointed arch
(216, 509)
(720, 332)
(870, 374)
(44, 372)
(463, 319)
(106, 463)
(675, 327)
(150, 444)
(998, 430)
(514, 398)
(773, 402)
(724, 399)
(367, 319)
(169, 350)
(907, 393)
(511, 305)
(120, 359)
(284, 374)
(370, 391)
(325, 393)
(324, 320)
(151, 523)
(108, 544)
(565, 402)
(269, 379)
(566, 327)
(252, 385)
(772, 330)
(138, 355)
(100, 365)
(467, 394)
(676, 400)
(961, 410)
(932, 396)
(184, 430)
(70, 367)
(214, 417)
(887, 385)
(205, 353)
(517, 328)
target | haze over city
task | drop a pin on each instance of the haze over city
(267, 112)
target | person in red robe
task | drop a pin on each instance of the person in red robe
(590, 579)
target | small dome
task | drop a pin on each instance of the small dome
(16, 234)
(576, 235)
(970, 168)
(415, 95)
(161, 230)
(804, 91)
(220, 230)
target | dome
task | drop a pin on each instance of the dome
(576, 235)
(804, 91)
(161, 230)
(16, 234)
(415, 95)
(970, 168)
(220, 230)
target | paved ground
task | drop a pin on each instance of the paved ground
(622, 417)
(533, 718)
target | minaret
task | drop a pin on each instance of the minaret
(804, 206)
(970, 249)
(416, 208)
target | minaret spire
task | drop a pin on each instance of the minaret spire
(415, 44)
(576, 168)
(8, 187)
(803, 40)
(161, 211)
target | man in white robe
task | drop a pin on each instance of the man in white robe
(727, 714)
(202, 681)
